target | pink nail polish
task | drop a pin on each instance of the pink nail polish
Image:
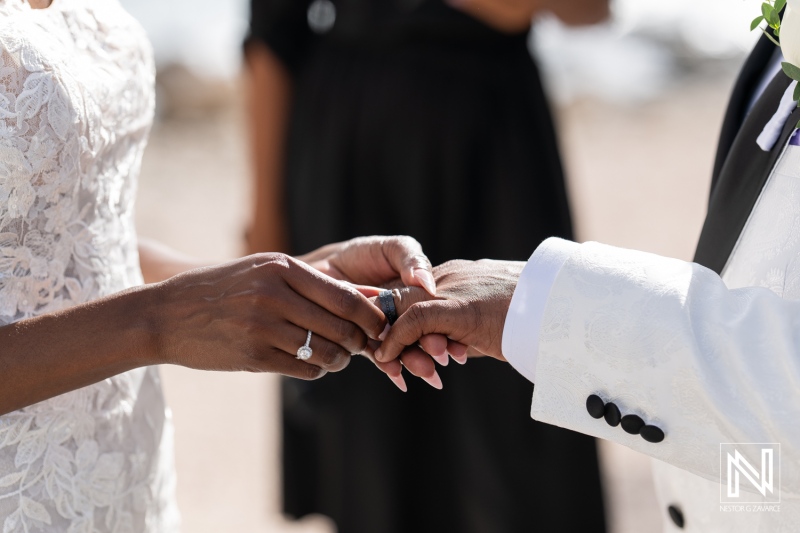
(382, 336)
(443, 359)
(461, 360)
(434, 381)
(399, 382)
(427, 280)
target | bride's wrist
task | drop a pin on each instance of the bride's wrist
(137, 316)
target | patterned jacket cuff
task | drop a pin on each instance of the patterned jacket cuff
(521, 331)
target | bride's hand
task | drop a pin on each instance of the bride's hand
(254, 313)
(375, 261)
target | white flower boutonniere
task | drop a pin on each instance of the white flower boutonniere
(784, 32)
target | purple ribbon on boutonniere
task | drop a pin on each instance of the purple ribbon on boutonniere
(772, 130)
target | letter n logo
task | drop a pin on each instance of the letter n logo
(750, 473)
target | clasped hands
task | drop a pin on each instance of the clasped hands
(253, 314)
(456, 310)
(464, 318)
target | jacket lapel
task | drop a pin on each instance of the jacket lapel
(741, 178)
(749, 78)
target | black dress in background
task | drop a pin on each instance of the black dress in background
(412, 118)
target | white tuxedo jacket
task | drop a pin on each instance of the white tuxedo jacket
(696, 358)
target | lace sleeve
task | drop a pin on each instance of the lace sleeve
(77, 96)
(69, 149)
(35, 179)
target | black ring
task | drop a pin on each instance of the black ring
(386, 300)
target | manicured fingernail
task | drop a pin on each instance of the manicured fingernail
(379, 354)
(399, 382)
(435, 381)
(460, 359)
(382, 336)
(427, 280)
(441, 359)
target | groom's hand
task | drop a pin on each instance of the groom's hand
(470, 308)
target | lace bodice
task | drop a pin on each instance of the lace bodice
(76, 105)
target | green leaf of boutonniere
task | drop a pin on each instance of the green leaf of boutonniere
(791, 71)
(797, 94)
(772, 17)
(779, 5)
(756, 22)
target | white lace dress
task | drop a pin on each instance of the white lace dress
(76, 105)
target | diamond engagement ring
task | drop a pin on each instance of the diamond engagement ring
(305, 352)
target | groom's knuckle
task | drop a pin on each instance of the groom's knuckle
(407, 297)
(476, 312)
(418, 317)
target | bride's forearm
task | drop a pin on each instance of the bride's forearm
(56, 353)
(250, 315)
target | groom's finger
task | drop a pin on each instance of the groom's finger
(436, 345)
(438, 317)
(406, 297)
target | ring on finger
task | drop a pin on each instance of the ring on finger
(386, 302)
(305, 352)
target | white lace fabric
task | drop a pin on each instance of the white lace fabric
(76, 105)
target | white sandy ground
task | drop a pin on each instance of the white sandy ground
(638, 179)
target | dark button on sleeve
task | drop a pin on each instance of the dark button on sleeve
(595, 406)
(652, 434)
(612, 414)
(632, 424)
(676, 515)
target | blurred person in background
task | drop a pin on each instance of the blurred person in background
(356, 103)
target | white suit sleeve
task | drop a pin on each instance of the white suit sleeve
(667, 341)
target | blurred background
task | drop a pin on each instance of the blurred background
(638, 103)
